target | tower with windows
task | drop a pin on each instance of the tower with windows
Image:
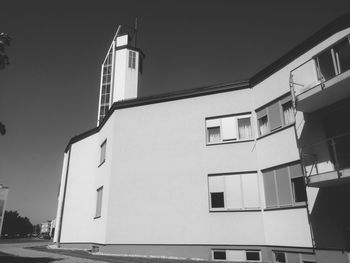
(120, 71)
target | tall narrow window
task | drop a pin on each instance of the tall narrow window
(244, 128)
(103, 152)
(326, 66)
(263, 125)
(132, 59)
(288, 113)
(342, 55)
(99, 202)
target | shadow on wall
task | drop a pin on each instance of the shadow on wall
(8, 258)
(330, 218)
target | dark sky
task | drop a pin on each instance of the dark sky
(49, 93)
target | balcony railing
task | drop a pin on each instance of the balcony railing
(332, 154)
(321, 68)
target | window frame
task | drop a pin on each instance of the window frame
(243, 200)
(103, 152)
(264, 112)
(278, 205)
(98, 208)
(245, 251)
(220, 126)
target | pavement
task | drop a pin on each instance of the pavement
(16, 251)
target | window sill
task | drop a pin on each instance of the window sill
(229, 142)
(295, 206)
(96, 217)
(276, 130)
(234, 210)
(101, 163)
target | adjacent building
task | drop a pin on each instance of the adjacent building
(3, 201)
(249, 171)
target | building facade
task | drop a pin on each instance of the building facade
(219, 172)
(3, 201)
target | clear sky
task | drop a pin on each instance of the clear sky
(49, 93)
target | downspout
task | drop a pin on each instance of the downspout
(63, 199)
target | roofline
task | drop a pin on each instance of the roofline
(330, 29)
(153, 99)
(325, 32)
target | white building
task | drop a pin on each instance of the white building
(216, 172)
(3, 201)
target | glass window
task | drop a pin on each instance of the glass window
(244, 128)
(288, 113)
(326, 65)
(219, 255)
(217, 200)
(299, 190)
(263, 125)
(280, 257)
(274, 114)
(214, 135)
(253, 255)
(103, 152)
(99, 202)
(132, 59)
(342, 55)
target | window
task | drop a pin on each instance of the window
(226, 129)
(288, 112)
(103, 152)
(253, 255)
(275, 116)
(99, 202)
(284, 186)
(280, 257)
(334, 61)
(132, 59)
(237, 255)
(234, 192)
(219, 255)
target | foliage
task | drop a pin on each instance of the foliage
(15, 225)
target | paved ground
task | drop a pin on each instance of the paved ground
(36, 251)
(17, 252)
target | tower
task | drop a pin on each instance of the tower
(120, 71)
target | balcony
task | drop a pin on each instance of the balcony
(327, 162)
(322, 80)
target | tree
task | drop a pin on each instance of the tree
(14, 224)
(4, 42)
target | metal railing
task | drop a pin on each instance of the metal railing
(332, 154)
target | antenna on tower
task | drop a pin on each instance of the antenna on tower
(135, 31)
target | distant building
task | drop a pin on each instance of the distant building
(249, 171)
(3, 201)
(45, 227)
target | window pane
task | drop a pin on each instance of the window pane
(288, 113)
(244, 128)
(274, 116)
(250, 190)
(217, 200)
(233, 191)
(99, 201)
(236, 255)
(103, 152)
(299, 190)
(280, 257)
(263, 127)
(221, 255)
(214, 135)
(283, 187)
(253, 255)
(229, 128)
(326, 66)
(342, 51)
(270, 189)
